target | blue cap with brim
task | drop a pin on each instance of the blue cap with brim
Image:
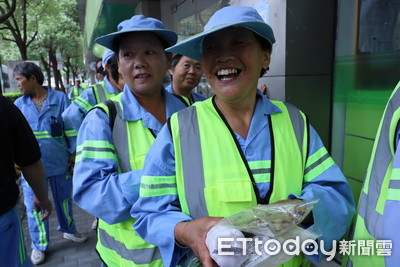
(106, 56)
(238, 16)
(138, 23)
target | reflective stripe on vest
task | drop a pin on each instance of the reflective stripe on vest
(379, 185)
(75, 93)
(120, 138)
(372, 199)
(118, 244)
(190, 162)
(138, 256)
(101, 93)
(199, 129)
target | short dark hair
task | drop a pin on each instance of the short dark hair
(113, 62)
(29, 69)
(266, 46)
(175, 60)
(100, 70)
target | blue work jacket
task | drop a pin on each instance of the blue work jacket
(55, 150)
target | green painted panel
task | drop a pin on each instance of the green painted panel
(362, 86)
(363, 119)
(102, 19)
(355, 187)
(111, 16)
(364, 78)
(357, 152)
(92, 12)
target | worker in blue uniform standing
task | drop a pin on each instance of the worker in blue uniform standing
(114, 139)
(111, 85)
(235, 150)
(95, 94)
(76, 90)
(186, 74)
(42, 108)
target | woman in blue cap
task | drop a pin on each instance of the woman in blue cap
(94, 95)
(234, 150)
(115, 137)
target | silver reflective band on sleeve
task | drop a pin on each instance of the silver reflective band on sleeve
(394, 184)
(90, 148)
(100, 90)
(260, 171)
(381, 162)
(157, 186)
(138, 256)
(191, 157)
(315, 164)
(120, 140)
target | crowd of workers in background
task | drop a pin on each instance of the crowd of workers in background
(158, 165)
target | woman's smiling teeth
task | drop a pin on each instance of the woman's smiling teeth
(226, 74)
(142, 75)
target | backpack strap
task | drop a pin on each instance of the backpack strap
(112, 112)
(183, 99)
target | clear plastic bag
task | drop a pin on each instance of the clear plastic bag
(271, 219)
(262, 223)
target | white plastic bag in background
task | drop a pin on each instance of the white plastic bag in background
(219, 231)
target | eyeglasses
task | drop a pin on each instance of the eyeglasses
(100, 70)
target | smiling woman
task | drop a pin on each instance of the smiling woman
(235, 150)
(107, 173)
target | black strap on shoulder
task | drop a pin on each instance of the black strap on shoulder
(94, 93)
(253, 182)
(181, 99)
(112, 112)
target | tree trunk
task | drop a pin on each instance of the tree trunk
(57, 74)
(48, 70)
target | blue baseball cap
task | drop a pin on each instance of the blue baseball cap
(239, 16)
(106, 56)
(138, 23)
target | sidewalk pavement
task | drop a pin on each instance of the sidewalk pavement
(63, 252)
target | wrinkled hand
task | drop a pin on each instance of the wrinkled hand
(193, 235)
(43, 206)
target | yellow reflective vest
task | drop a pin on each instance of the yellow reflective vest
(213, 176)
(118, 244)
(382, 184)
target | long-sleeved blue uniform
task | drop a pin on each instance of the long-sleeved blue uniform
(158, 215)
(77, 111)
(57, 142)
(98, 187)
(55, 150)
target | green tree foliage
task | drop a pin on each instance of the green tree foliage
(21, 27)
(41, 30)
